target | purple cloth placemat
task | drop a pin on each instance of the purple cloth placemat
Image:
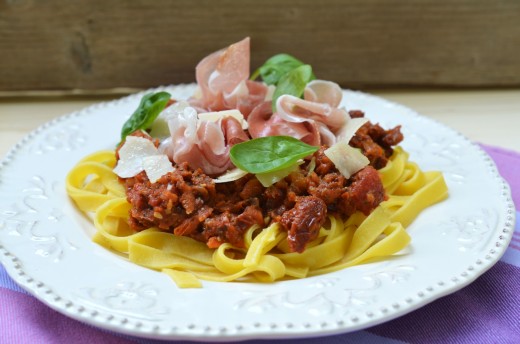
(486, 311)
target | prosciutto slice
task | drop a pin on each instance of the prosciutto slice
(315, 120)
(202, 144)
(262, 122)
(294, 109)
(223, 82)
(323, 91)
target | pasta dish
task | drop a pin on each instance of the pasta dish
(252, 180)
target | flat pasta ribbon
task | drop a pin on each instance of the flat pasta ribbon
(341, 243)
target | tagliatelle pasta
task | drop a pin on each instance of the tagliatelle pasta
(341, 243)
(237, 183)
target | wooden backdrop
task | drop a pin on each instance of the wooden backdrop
(102, 44)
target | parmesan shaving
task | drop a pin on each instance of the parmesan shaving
(269, 178)
(311, 166)
(139, 154)
(350, 128)
(269, 94)
(157, 166)
(231, 175)
(217, 115)
(131, 156)
(348, 160)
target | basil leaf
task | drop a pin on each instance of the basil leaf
(275, 67)
(293, 83)
(270, 153)
(150, 107)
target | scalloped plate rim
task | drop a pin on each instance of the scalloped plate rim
(15, 269)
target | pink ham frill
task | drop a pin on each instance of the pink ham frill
(316, 119)
(202, 144)
(222, 78)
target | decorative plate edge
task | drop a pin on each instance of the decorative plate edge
(238, 332)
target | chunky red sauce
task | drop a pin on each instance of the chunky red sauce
(189, 203)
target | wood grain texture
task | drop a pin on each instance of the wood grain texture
(101, 44)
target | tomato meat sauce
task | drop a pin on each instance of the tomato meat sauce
(188, 202)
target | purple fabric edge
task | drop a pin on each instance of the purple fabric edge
(510, 172)
(37, 323)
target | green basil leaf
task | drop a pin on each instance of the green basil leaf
(150, 107)
(275, 67)
(293, 83)
(270, 153)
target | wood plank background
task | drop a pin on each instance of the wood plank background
(102, 44)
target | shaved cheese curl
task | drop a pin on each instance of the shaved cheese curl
(348, 160)
(231, 175)
(131, 156)
(157, 166)
(217, 115)
(350, 128)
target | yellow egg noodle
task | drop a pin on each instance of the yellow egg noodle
(341, 243)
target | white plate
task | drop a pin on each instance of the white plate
(46, 248)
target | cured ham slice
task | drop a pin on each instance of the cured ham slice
(202, 144)
(222, 78)
(262, 122)
(323, 91)
(294, 109)
(257, 94)
(315, 120)
(233, 131)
